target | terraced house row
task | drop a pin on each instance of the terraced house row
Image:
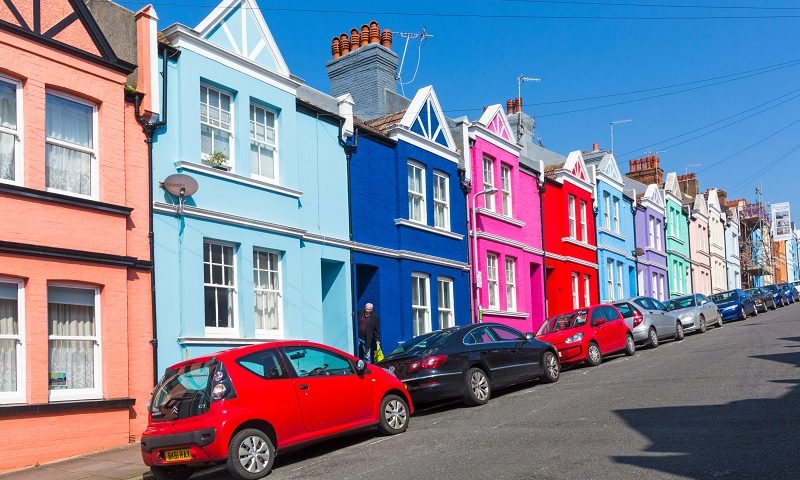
(169, 191)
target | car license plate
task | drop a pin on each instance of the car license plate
(177, 455)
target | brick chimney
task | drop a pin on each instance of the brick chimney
(723, 196)
(646, 170)
(364, 66)
(689, 184)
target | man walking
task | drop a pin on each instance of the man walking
(369, 333)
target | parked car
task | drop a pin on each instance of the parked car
(778, 294)
(796, 286)
(236, 407)
(764, 299)
(696, 312)
(588, 334)
(791, 293)
(469, 362)
(649, 320)
(735, 304)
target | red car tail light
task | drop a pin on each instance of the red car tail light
(222, 386)
(637, 319)
(427, 363)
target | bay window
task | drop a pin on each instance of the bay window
(71, 149)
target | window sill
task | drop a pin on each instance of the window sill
(612, 233)
(578, 243)
(657, 252)
(222, 340)
(676, 239)
(55, 197)
(67, 406)
(426, 228)
(236, 178)
(505, 313)
(499, 216)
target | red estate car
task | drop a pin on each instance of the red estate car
(588, 334)
(241, 405)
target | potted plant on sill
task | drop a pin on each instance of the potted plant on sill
(217, 160)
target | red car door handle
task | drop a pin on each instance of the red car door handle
(303, 386)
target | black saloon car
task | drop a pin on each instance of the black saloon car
(764, 299)
(470, 361)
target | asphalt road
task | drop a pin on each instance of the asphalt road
(724, 404)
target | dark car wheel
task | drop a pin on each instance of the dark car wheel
(594, 356)
(679, 331)
(552, 367)
(478, 387)
(755, 310)
(652, 338)
(630, 345)
(703, 325)
(743, 314)
(178, 472)
(250, 454)
(394, 415)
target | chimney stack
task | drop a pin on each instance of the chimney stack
(510, 106)
(646, 170)
(364, 65)
(689, 184)
(518, 105)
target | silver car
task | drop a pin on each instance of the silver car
(696, 312)
(649, 320)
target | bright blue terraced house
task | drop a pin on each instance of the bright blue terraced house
(615, 228)
(260, 251)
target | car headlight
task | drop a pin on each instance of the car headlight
(575, 338)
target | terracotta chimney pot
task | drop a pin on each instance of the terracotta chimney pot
(374, 32)
(364, 34)
(595, 147)
(335, 48)
(386, 38)
(355, 39)
(344, 44)
(518, 105)
(510, 104)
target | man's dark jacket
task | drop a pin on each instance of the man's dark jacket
(373, 329)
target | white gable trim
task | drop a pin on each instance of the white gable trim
(672, 187)
(488, 116)
(713, 200)
(218, 15)
(477, 129)
(184, 38)
(401, 133)
(414, 110)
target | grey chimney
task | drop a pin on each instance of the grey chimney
(365, 72)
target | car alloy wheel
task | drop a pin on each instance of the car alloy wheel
(743, 316)
(394, 418)
(552, 367)
(478, 387)
(703, 325)
(594, 357)
(250, 455)
(254, 454)
(630, 345)
(679, 331)
(652, 337)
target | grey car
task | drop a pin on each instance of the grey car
(649, 320)
(696, 312)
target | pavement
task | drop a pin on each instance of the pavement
(719, 405)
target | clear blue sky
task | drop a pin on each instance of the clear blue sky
(479, 48)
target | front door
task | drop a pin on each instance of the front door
(330, 392)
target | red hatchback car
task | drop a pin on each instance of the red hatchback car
(241, 405)
(588, 334)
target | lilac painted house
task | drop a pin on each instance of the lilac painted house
(651, 263)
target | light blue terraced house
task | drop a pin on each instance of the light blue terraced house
(615, 228)
(260, 251)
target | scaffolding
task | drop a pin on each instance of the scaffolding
(755, 242)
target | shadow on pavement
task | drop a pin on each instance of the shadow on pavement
(743, 439)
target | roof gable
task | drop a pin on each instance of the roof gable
(654, 195)
(608, 165)
(425, 118)
(672, 187)
(576, 167)
(238, 26)
(713, 200)
(700, 204)
(495, 120)
(67, 23)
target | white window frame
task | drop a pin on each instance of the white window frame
(417, 277)
(661, 293)
(575, 293)
(640, 281)
(18, 396)
(81, 393)
(584, 231)
(233, 329)
(616, 215)
(492, 287)
(18, 134)
(586, 291)
(511, 284)
(651, 228)
(607, 210)
(441, 220)
(620, 282)
(450, 312)
(93, 152)
(420, 195)
(230, 132)
(260, 332)
(505, 187)
(658, 234)
(274, 146)
(610, 279)
(573, 226)
(488, 182)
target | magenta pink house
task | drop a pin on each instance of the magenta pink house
(505, 225)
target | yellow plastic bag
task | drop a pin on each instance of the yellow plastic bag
(378, 357)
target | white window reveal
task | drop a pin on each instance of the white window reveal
(267, 293)
(616, 214)
(441, 201)
(219, 281)
(610, 279)
(420, 304)
(505, 182)
(511, 284)
(584, 232)
(10, 130)
(263, 144)
(74, 342)
(651, 227)
(416, 193)
(71, 149)
(216, 127)
(491, 279)
(446, 310)
(488, 182)
(607, 210)
(12, 342)
(575, 293)
(586, 291)
(620, 289)
(571, 213)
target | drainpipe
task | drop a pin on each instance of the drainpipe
(346, 126)
(542, 185)
(150, 129)
(634, 207)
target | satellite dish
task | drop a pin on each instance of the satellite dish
(180, 185)
(639, 251)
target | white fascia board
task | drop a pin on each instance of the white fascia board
(400, 133)
(476, 129)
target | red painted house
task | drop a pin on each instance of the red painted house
(570, 242)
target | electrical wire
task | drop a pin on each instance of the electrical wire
(652, 5)
(757, 174)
